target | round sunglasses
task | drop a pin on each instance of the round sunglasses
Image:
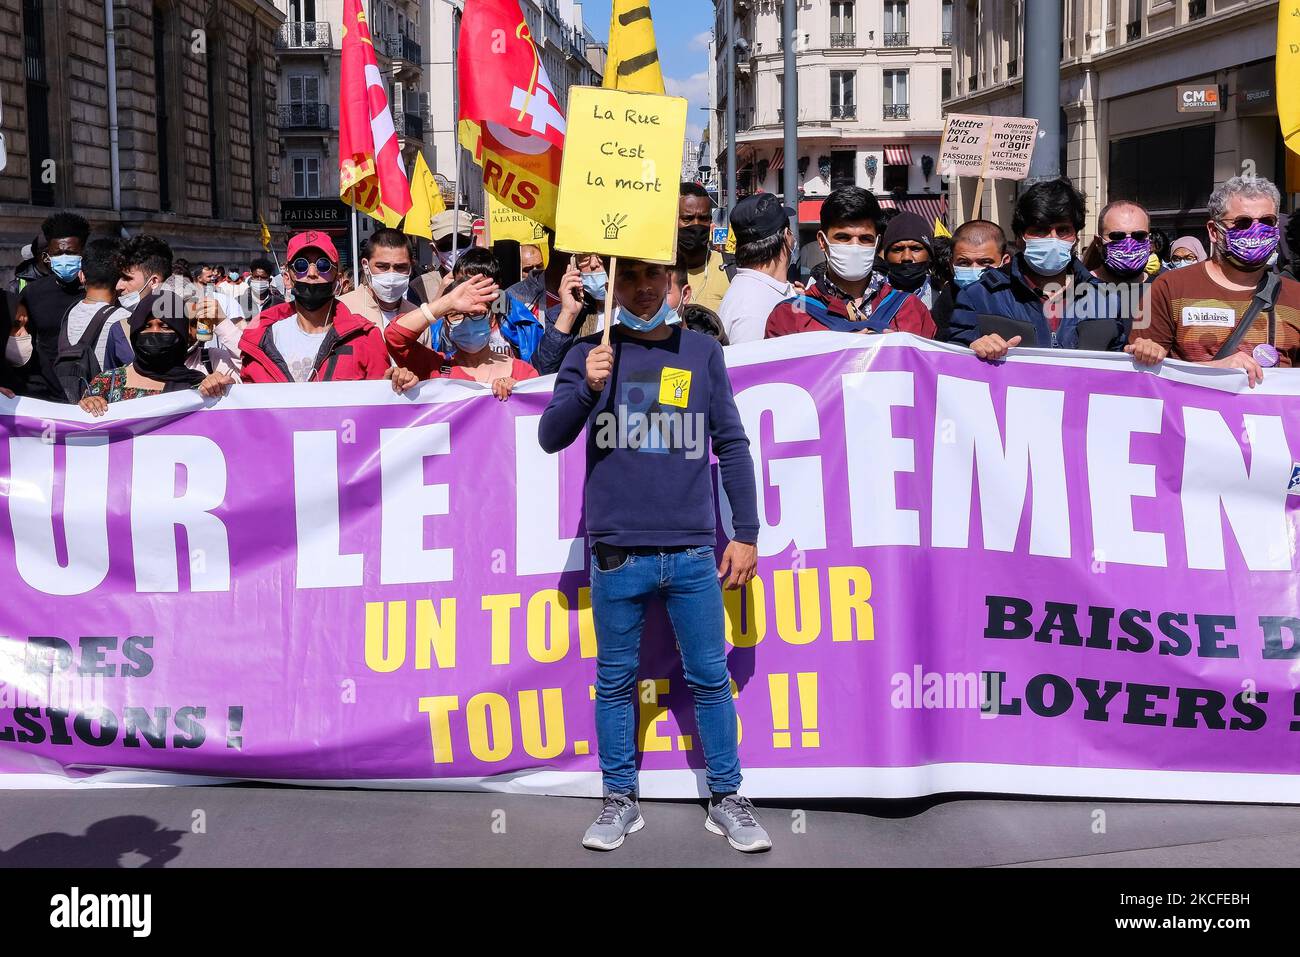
(302, 265)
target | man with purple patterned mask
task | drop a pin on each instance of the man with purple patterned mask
(1198, 313)
(1124, 240)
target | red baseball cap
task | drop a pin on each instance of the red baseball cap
(312, 239)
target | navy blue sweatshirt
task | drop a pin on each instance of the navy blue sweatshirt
(648, 476)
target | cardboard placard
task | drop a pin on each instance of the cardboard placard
(507, 223)
(620, 179)
(996, 147)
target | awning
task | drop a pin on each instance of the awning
(778, 162)
(928, 208)
(898, 155)
(810, 210)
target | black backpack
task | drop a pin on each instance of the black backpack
(76, 365)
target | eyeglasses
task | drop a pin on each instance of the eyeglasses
(1245, 222)
(302, 265)
(1141, 235)
(1051, 232)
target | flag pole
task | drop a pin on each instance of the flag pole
(455, 131)
(356, 260)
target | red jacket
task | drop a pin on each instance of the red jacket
(788, 318)
(353, 348)
(410, 353)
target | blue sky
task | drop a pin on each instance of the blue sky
(682, 29)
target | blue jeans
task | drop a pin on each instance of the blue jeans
(687, 582)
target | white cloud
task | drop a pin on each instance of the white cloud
(701, 40)
(695, 89)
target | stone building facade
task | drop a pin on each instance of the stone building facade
(198, 135)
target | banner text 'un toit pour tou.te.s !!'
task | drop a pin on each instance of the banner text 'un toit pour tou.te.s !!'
(1048, 576)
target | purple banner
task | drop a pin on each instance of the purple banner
(1049, 576)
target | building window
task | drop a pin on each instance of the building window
(843, 168)
(161, 120)
(843, 33)
(945, 84)
(843, 101)
(256, 126)
(895, 23)
(1170, 170)
(218, 155)
(38, 99)
(895, 98)
(895, 179)
(306, 177)
(946, 26)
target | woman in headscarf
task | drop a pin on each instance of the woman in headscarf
(1186, 251)
(160, 340)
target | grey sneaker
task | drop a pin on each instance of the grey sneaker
(619, 817)
(733, 817)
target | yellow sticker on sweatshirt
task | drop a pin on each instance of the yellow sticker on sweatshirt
(675, 387)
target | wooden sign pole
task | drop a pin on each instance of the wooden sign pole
(609, 300)
(979, 187)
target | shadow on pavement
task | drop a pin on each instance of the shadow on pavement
(103, 845)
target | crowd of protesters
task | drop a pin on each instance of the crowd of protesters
(96, 321)
(80, 308)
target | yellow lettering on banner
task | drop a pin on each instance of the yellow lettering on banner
(653, 713)
(747, 629)
(383, 656)
(439, 709)
(548, 634)
(435, 634)
(586, 625)
(850, 595)
(618, 180)
(487, 717)
(542, 734)
(735, 693)
(810, 615)
(501, 606)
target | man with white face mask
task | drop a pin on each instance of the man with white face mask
(845, 295)
(386, 268)
(763, 248)
(146, 263)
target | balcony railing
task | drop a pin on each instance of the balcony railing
(744, 120)
(400, 47)
(1195, 9)
(896, 111)
(842, 41)
(1013, 68)
(1133, 31)
(972, 83)
(413, 125)
(947, 38)
(844, 111)
(896, 39)
(303, 35)
(304, 116)
(411, 50)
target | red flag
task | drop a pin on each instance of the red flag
(510, 117)
(371, 177)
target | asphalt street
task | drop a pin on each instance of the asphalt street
(252, 826)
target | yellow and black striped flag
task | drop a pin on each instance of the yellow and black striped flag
(633, 62)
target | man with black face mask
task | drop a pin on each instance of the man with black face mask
(908, 247)
(706, 268)
(316, 338)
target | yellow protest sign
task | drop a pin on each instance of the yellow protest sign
(507, 223)
(622, 170)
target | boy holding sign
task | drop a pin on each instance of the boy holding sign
(648, 399)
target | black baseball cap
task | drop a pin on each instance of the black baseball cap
(759, 216)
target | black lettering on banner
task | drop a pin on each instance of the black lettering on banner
(1014, 612)
(1136, 637)
(1245, 704)
(1180, 643)
(1208, 704)
(1210, 631)
(1141, 699)
(1060, 616)
(1274, 646)
(1097, 697)
(1036, 697)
